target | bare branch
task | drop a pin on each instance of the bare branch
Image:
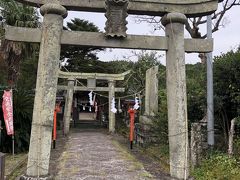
(192, 26)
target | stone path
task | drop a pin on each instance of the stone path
(89, 155)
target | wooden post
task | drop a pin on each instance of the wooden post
(2, 165)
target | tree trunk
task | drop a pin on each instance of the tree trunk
(230, 138)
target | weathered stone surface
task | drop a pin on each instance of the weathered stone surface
(68, 106)
(25, 177)
(91, 83)
(47, 76)
(146, 120)
(197, 143)
(151, 105)
(100, 89)
(102, 76)
(99, 40)
(144, 130)
(176, 96)
(53, 8)
(116, 14)
(151, 92)
(141, 7)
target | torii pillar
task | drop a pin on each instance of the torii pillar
(46, 88)
(68, 106)
(111, 115)
(176, 95)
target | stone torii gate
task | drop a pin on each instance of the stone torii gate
(52, 35)
(91, 86)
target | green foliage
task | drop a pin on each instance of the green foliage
(227, 84)
(227, 90)
(81, 59)
(196, 96)
(160, 122)
(22, 115)
(145, 61)
(17, 14)
(28, 75)
(196, 91)
(219, 166)
(135, 81)
(3, 73)
(121, 127)
(77, 24)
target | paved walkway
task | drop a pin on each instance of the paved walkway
(89, 155)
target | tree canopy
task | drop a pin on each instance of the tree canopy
(81, 59)
(227, 85)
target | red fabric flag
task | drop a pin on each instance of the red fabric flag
(7, 107)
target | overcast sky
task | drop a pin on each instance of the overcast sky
(225, 39)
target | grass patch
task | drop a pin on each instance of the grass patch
(13, 160)
(135, 165)
(160, 153)
(146, 175)
(15, 165)
(218, 167)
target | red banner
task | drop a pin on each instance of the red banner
(7, 107)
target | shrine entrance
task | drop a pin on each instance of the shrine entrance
(52, 35)
(91, 78)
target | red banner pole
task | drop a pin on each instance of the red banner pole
(132, 115)
(54, 128)
(56, 110)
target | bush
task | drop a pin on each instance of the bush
(219, 166)
(159, 125)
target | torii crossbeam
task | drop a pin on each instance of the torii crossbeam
(98, 39)
(139, 7)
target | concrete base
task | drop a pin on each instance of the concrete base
(25, 177)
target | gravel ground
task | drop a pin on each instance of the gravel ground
(90, 155)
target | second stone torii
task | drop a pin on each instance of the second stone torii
(111, 78)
